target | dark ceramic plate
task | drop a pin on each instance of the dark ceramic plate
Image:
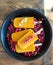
(26, 12)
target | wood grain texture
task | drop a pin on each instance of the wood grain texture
(7, 6)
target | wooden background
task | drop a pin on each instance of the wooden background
(7, 6)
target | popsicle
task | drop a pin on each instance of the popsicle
(17, 35)
(24, 22)
(28, 49)
(29, 38)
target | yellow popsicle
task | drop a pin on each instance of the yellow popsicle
(24, 22)
(29, 38)
(17, 35)
(28, 49)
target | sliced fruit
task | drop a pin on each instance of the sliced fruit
(28, 49)
(17, 35)
(24, 22)
(29, 38)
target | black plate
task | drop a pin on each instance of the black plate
(20, 13)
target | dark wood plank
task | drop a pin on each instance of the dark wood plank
(1, 48)
(51, 54)
(5, 60)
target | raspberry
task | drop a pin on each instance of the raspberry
(19, 29)
(35, 29)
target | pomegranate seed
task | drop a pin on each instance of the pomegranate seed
(7, 34)
(39, 36)
(11, 20)
(38, 49)
(30, 54)
(11, 26)
(25, 53)
(11, 41)
(13, 31)
(14, 50)
(35, 20)
(38, 25)
(42, 33)
(33, 52)
(42, 18)
(17, 30)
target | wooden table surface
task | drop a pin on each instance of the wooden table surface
(7, 6)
